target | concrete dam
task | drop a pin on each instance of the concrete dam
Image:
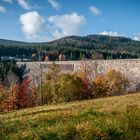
(128, 67)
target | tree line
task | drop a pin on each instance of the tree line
(76, 48)
(17, 89)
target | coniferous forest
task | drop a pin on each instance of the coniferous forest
(74, 48)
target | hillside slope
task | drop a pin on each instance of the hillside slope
(75, 47)
(107, 118)
(79, 41)
(93, 41)
(6, 42)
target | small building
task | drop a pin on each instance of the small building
(62, 57)
(7, 59)
(46, 58)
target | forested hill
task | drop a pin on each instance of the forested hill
(78, 41)
(75, 47)
(94, 41)
(17, 43)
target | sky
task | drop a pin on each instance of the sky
(46, 20)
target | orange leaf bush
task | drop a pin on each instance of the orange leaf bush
(110, 84)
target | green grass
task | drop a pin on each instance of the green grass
(112, 118)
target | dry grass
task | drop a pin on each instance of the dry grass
(79, 120)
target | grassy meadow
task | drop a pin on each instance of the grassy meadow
(111, 118)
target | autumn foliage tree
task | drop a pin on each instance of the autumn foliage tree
(22, 95)
(117, 82)
(83, 73)
(70, 88)
(64, 87)
(10, 100)
(50, 83)
(18, 95)
(60, 87)
(2, 96)
(111, 83)
(100, 87)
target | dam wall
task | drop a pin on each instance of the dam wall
(128, 67)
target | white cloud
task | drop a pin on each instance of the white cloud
(2, 9)
(109, 33)
(24, 4)
(65, 25)
(9, 1)
(55, 4)
(33, 27)
(137, 37)
(94, 10)
(31, 24)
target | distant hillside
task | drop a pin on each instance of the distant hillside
(78, 41)
(94, 41)
(76, 47)
(17, 43)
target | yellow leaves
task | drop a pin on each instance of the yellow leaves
(111, 83)
(60, 87)
(100, 86)
(116, 81)
(99, 80)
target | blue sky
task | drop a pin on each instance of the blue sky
(45, 20)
